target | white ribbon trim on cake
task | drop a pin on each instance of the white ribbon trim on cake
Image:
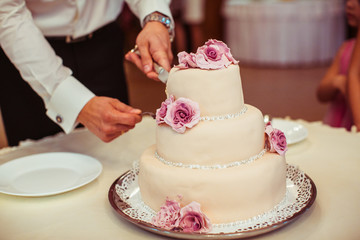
(211, 167)
(224, 117)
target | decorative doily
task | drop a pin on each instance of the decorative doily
(125, 197)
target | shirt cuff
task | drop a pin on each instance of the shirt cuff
(66, 102)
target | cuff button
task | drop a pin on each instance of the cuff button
(59, 119)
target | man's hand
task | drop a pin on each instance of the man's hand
(108, 118)
(154, 45)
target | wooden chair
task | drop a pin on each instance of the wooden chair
(144, 93)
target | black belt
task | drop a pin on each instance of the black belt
(70, 39)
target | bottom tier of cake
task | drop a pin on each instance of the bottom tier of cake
(226, 195)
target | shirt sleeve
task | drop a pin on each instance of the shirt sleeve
(142, 8)
(32, 55)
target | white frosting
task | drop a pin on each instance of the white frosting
(217, 92)
(211, 167)
(225, 195)
(224, 117)
(214, 142)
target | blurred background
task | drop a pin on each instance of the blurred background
(284, 48)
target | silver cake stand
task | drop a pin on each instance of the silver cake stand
(125, 198)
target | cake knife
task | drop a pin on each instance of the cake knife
(151, 114)
(163, 74)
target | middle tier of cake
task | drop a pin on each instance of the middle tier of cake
(219, 141)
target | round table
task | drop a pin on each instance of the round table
(329, 156)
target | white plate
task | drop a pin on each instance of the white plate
(47, 174)
(294, 132)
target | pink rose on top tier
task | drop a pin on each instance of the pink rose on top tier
(182, 114)
(193, 220)
(161, 112)
(213, 55)
(275, 140)
(187, 60)
(167, 216)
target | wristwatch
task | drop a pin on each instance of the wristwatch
(158, 17)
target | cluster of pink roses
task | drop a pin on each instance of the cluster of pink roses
(179, 114)
(275, 140)
(213, 55)
(187, 219)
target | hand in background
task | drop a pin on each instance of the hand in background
(353, 83)
(154, 45)
(331, 86)
(108, 118)
(339, 83)
(333, 82)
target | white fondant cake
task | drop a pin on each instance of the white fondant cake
(222, 162)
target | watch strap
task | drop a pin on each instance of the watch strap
(165, 20)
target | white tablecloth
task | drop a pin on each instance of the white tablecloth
(329, 156)
(284, 33)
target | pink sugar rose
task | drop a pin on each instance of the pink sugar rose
(192, 219)
(167, 216)
(213, 55)
(275, 140)
(268, 128)
(187, 219)
(186, 60)
(181, 114)
(222, 47)
(161, 112)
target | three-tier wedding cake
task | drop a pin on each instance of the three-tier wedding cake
(215, 160)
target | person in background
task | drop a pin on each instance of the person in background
(69, 52)
(353, 82)
(339, 86)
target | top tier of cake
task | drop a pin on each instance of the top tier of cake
(218, 92)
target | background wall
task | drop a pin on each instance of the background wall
(277, 91)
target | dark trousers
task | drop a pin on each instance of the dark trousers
(96, 62)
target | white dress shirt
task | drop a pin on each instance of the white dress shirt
(23, 25)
